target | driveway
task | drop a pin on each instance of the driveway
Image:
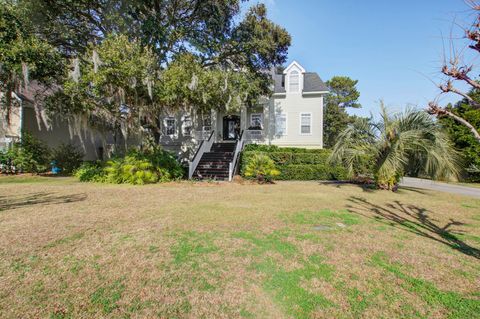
(441, 187)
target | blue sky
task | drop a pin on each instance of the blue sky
(394, 48)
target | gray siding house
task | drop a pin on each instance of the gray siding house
(291, 117)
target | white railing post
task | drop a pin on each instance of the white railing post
(238, 149)
(205, 146)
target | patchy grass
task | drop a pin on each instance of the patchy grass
(456, 305)
(28, 179)
(209, 250)
(287, 289)
(325, 217)
(107, 297)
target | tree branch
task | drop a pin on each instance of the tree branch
(434, 109)
(461, 74)
(449, 88)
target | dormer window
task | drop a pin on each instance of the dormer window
(294, 82)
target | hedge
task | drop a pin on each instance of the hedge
(297, 163)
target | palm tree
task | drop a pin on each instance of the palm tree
(388, 148)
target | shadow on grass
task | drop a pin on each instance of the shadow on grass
(415, 220)
(339, 184)
(368, 187)
(41, 198)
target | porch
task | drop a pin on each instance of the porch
(228, 127)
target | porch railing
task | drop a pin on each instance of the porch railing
(234, 163)
(204, 146)
(202, 135)
(255, 135)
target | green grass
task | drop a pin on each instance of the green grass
(191, 245)
(65, 240)
(324, 217)
(274, 242)
(458, 306)
(107, 297)
(29, 179)
(286, 287)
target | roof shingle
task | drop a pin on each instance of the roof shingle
(311, 83)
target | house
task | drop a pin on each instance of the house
(26, 116)
(291, 117)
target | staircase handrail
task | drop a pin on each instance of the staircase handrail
(204, 147)
(238, 149)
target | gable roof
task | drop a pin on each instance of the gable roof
(311, 83)
(292, 65)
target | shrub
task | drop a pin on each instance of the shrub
(312, 172)
(131, 170)
(68, 157)
(296, 163)
(262, 168)
(29, 155)
(137, 167)
(90, 172)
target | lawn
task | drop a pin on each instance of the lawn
(208, 250)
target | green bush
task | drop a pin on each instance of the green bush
(312, 172)
(30, 155)
(135, 168)
(295, 163)
(90, 172)
(131, 170)
(68, 157)
(262, 168)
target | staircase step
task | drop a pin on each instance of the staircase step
(222, 166)
(216, 163)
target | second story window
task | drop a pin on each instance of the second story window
(294, 82)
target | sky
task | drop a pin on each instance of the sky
(394, 48)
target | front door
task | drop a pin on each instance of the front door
(231, 127)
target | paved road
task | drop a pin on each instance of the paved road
(442, 187)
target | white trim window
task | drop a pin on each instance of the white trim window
(170, 126)
(207, 124)
(187, 125)
(305, 123)
(281, 124)
(256, 120)
(294, 82)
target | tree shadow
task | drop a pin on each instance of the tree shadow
(411, 189)
(339, 184)
(9, 203)
(415, 220)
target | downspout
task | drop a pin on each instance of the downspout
(20, 133)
